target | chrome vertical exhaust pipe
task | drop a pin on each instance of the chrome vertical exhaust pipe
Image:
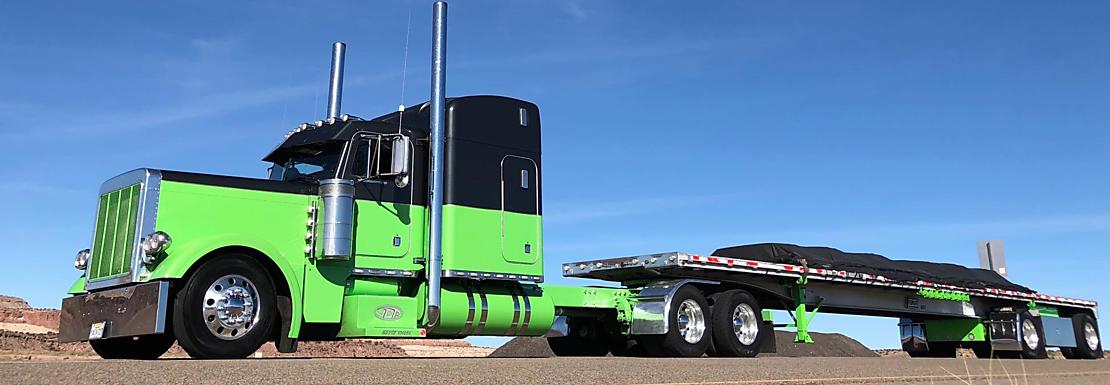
(439, 85)
(335, 91)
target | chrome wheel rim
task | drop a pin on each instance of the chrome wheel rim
(1091, 335)
(1029, 334)
(744, 324)
(231, 307)
(691, 321)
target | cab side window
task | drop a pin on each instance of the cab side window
(373, 158)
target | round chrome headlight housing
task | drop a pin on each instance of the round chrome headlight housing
(81, 261)
(154, 244)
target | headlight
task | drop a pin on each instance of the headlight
(82, 260)
(155, 244)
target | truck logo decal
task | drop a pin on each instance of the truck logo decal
(388, 312)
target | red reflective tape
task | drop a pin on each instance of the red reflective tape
(753, 264)
(714, 260)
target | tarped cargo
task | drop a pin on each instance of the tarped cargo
(867, 263)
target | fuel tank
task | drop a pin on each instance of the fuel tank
(493, 308)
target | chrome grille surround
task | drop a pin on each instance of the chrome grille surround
(149, 182)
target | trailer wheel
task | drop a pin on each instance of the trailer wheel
(147, 347)
(1032, 337)
(586, 337)
(1088, 345)
(736, 319)
(226, 308)
(690, 330)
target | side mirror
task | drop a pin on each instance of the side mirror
(374, 164)
(399, 166)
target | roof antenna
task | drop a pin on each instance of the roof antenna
(404, 74)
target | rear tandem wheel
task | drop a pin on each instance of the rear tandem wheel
(690, 330)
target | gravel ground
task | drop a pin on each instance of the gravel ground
(562, 371)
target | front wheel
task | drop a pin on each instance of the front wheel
(226, 309)
(147, 347)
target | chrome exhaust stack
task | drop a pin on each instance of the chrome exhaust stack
(335, 90)
(438, 101)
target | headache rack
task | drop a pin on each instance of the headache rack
(680, 265)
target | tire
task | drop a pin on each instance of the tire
(238, 282)
(736, 321)
(690, 304)
(1088, 344)
(586, 337)
(1032, 339)
(146, 347)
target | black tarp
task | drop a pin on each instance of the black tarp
(867, 263)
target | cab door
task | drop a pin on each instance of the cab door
(385, 217)
(520, 219)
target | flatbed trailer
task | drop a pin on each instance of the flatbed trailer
(936, 318)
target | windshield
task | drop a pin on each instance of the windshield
(315, 162)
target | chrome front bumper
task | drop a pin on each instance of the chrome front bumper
(126, 311)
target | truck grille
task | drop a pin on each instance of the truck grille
(114, 238)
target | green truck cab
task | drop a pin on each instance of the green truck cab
(247, 260)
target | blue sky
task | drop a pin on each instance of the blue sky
(907, 129)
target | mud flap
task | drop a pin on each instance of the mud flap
(285, 311)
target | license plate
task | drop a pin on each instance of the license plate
(96, 331)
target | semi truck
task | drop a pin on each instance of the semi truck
(427, 222)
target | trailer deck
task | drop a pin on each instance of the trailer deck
(654, 266)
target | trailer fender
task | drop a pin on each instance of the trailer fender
(653, 303)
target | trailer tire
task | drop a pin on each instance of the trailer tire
(146, 347)
(689, 305)
(204, 329)
(586, 337)
(1032, 348)
(1087, 341)
(736, 320)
